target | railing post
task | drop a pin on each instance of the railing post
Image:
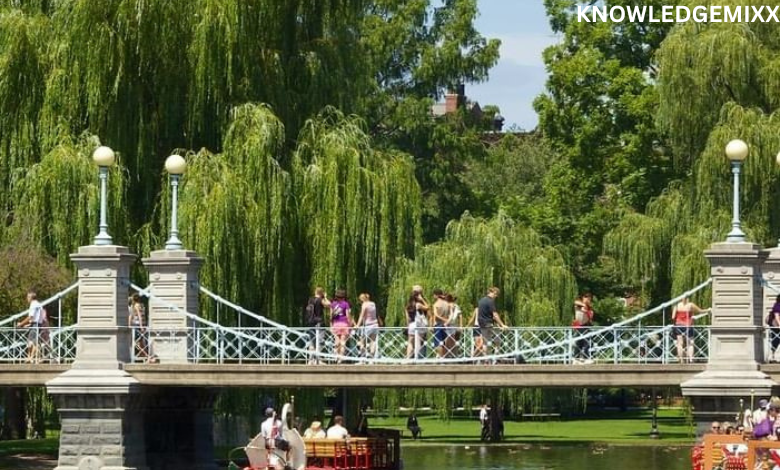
(59, 329)
(569, 334)
(615, 345)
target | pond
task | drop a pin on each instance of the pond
(544, 457)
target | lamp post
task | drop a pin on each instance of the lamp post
(104, 157)
(736, 151)
(654, 434)
(175, 165)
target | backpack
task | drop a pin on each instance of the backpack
(309, 313)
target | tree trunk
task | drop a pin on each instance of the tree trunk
(14, 422)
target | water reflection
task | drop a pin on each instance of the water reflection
(544, 457)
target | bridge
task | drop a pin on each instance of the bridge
(119, 411)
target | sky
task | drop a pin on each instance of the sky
(519, 75)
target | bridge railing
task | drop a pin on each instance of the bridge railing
(393, 345)
(52, 345)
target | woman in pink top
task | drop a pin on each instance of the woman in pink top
(682, 316)
(340, 321)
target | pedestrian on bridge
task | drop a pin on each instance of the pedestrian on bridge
(313, 318)
(583, 319)
(682, 316)
(340, 322)
(773, 322)
(417, 316)
(487, 317)
(33, 322)
(370, 321)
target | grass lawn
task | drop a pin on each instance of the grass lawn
(630, 428)
(48, 446)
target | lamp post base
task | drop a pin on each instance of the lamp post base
(103, 239)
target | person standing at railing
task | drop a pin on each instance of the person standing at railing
(583, 319)
(33, 322)
(682, 316)
(773, 321)
(417, 316)
(487, 316)
(313, 318)
(441, 315)
(340, 322)
(137, 322)
(370, 322)
(454, 326)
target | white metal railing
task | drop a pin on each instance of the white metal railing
(51, 345)
(391, 345)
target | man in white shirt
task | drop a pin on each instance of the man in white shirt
(33, 322)
(338, 431)
(271, 429)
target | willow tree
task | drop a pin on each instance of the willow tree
(537, 287)
(358, 207)
(717, 82)
(56, 201)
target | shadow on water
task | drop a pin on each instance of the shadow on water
(546, 457)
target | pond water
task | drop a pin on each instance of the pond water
(544, 457)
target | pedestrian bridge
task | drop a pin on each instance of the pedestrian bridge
(630, 353)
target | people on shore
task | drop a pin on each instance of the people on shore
(413, 426)
(682, 317)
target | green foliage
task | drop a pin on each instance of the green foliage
(537, 286)
(359, 208)
(57, 199)
(707, 99)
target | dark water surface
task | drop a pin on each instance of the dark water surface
(545, 457)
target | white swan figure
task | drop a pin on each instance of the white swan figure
(295, 459)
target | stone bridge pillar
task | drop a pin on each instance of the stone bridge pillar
(736, 341)
(771, 274)
(97, 400)
(173, 278)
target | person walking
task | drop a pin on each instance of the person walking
(314, 317)
(370, 322)
(682, 317)
(340, 322)
(441, 315)
(33, 323)
(583, 319)
(416, 314)
(454, 327)
(773, 321)
(487, 316)
(137, 324)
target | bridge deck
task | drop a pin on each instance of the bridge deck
(257, 375)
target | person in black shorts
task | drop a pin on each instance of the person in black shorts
(487, 316)
(313, 318)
